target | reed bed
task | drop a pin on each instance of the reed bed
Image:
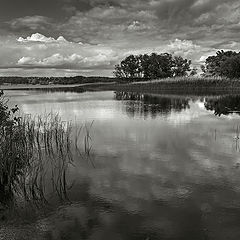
(180, 85)
(38, 151)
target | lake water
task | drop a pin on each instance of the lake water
(165, 167)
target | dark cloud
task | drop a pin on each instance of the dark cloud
(179, 12)
(11, 9)
(108, 30)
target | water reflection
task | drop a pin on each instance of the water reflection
(137, 104)
(223, 105)
(153, 105)
(175, 176)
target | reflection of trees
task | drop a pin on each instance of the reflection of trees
(144, 105)
(224, 105)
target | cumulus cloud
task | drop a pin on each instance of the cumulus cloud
(138, 26)
(37, 37)
(39, 51)
(72, 61)
(184, 48)
(51, 61)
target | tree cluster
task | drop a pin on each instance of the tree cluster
(151, 66)
(223, 64)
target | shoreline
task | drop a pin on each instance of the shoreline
(175, 86)
(53, 86)
(186, 86)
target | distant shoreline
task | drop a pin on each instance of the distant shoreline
(53, 86)
(196, 86)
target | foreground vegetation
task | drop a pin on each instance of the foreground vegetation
(35, 152)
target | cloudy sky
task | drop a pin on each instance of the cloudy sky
(88, 37)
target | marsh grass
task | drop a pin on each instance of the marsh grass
(38, 151)
(180, 85)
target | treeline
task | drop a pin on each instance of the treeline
(152, 66)
(223, 64)
(54, 80)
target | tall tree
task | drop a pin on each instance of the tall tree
(152, 66)
(180, 66)
(231, 67)
(213, 64)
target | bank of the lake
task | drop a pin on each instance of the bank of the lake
(182, 86)
(60, 87)
(199, 86)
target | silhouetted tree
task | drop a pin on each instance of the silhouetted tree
(231, 67)
(180, 66)
(193, 72)
(152, 66)
(128, 68)
(214, 64)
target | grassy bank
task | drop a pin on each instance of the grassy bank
(198, 86)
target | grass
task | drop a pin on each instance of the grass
(38, 151)
(183, 85)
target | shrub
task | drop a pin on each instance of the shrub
(11, 158)
(35, 152)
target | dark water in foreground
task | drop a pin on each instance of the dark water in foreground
(165, 168)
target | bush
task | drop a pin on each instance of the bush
(10, 149)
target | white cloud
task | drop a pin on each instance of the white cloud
(184, 48)
(203, 58)
(38, 37)
(183, 45)
(70, 61)
(26, 60)
(54, 60)
(137, 26)
(39, 51)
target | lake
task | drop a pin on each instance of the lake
(162, 167)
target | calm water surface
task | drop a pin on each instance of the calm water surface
(165, 168)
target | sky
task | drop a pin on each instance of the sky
(88, 37)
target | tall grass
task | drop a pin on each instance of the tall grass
(38, 151)
(180, 85)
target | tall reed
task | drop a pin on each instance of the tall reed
(35, 152)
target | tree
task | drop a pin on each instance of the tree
(160, 65)
(152, 66)
(193, 72)
(213, 64)
(128, 68)
(119, 72)
(180, 66)
(231, 67)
